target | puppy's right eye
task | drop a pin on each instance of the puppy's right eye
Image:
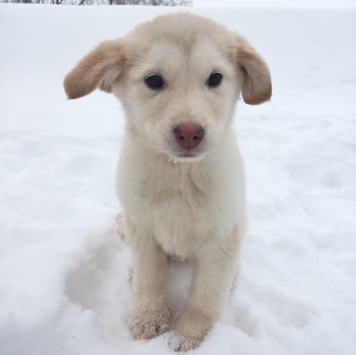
(214, 80)
(154, 82)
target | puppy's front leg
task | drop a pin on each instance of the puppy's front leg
(152, 316)
(213, 275)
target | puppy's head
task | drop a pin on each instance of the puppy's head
(178, 78)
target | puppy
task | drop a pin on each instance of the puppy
(180, 176)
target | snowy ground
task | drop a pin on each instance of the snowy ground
(64, 285)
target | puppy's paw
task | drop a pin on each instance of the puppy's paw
(150, 322)
(180, 343)
(191, 330)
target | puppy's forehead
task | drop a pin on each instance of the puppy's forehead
(180, 40)
(181, 25)
(198, 53)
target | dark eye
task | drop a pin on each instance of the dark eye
(215, 80)
(154, 82)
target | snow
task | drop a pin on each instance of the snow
(64, 284)
(290, 4)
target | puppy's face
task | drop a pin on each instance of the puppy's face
(180, 100)
(178, 78)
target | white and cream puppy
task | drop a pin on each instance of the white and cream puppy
(180, 177)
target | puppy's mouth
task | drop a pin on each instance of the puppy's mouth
(187, 154)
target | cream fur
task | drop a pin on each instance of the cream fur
(191, 207)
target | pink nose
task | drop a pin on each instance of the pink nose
(189, 135)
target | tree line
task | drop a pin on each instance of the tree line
(104, 2)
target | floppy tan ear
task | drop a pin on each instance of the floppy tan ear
(98, 69)
(257, 86)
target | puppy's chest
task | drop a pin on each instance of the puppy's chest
(180, 206)
(179, 185)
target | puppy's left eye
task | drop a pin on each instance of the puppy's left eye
(154, 82)
(214, 80)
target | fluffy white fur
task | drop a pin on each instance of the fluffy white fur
(189, 206)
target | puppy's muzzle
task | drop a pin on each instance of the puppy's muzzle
(188, 135)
